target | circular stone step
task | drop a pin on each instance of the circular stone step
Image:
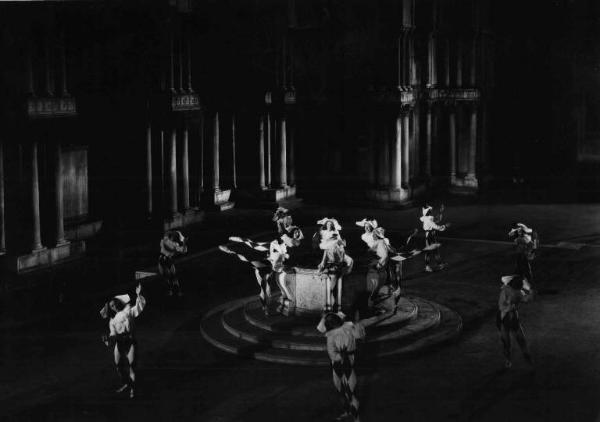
(240, 327)
(304, 326)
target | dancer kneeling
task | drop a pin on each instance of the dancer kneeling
(122, 335)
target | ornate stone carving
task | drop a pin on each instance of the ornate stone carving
(51, 107)
(185, 102)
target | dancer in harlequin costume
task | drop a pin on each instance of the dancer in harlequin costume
(526, 241)
(172, 244)
(282, 219)
(407, 251)
(515, 290)
(335, 263)
(292, 236)
(385, 272)
(278, 254)
(266, 267)
(432, 226)
(369, 224)
(122, 335)
(342, 337)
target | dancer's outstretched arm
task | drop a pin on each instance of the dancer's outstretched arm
(259, 246)
(140, 302)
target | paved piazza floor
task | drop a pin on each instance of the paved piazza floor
(57, 369)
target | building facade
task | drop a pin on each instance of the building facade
(146, 114)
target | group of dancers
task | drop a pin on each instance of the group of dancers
(384, 260)
(121, 313)
(517, 289)
(384, 264)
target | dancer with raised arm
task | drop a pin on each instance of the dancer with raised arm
(172, 244)
(407, 251)
(122, 335)
(515, 290)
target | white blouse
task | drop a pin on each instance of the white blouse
(122, 322)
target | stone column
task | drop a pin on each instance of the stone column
(2, 225)
(261, 153)
(49, 72)
(384, 156)
(181, 89)
(173, 172)
(30, 80)
(63, 62)
(291, 159)
(371, 158)
(269, 152)
(36, 240)
(149, 169)
(413, 65)
(201, 181)
(163, 183)
(406, 149)
(189, 67)
(459, 62)
(432, 62)
(452, 155)
(401, 61)
(58, 197)
(447, 63)
(435, 140)
(397, 165)
(172, 63)
(473, 144)
(185, 171)
(428, 130)
(283, 153)
(216, 180)
(416, 143)
(473, 70)
(233, 164)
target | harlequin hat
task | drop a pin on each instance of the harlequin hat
(125, 299)
(520, 226)
(364, 222)
(324, 221)
(280, 213)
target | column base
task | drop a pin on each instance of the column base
(268, 198)
(189, 216)
(45, 257)
(388, 194)
(83, 230)
(464, 185)
(279, 194)
(218, 200)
